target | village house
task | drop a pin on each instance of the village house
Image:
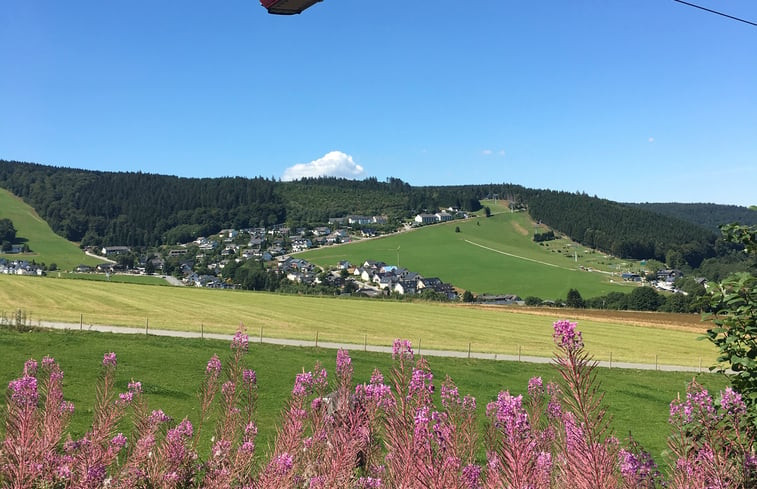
(443, 216)
(425, 218)
(669, 276)
(115, 250)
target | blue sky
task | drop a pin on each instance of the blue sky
(643, 100)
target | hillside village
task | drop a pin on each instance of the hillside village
(202, 262)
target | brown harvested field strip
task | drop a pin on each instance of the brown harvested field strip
(661, 320)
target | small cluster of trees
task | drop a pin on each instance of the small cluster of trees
(546, 236)
(7, 234)
(639, 299)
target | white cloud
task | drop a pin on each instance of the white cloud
(333, 164)
(487, 152)
(651, 140)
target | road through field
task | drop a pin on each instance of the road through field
(352, 346)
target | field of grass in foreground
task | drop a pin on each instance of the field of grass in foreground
(171, 369)
(377, 322)
(47, 247)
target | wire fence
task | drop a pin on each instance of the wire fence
(373, 342)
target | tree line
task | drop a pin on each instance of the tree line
(142, 209)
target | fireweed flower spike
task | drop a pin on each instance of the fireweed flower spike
(240, 341)
(566, 336)
(109, 360)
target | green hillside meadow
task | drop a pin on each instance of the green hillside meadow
(46, 246)
(493, 255)
(377, 322)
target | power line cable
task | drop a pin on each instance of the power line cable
(716, 12)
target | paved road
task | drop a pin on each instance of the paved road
(355, 346)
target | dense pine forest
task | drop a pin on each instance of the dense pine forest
(141, 209)
(710, 216)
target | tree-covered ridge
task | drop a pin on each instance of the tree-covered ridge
(141, 209)
(710, 216)
(314, 200)
(622, 230)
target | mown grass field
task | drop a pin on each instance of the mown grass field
(46, 246)
(631, 338)
(494, 255)
(171, 369)
(123, 278)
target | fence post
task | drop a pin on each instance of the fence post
(202, 331)
(700, 365)
(655, 361)
(419, 346)
(81, 322)
(147, 325)
(610, 359)
(469, 349)
(261, 334)
(316, 338)
(519, 353)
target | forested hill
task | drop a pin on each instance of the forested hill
(139, 209)
(710, 216)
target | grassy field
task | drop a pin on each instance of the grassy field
(629, 337)
(637, 400)
(495, 255)
(123, 278)
(46, 246)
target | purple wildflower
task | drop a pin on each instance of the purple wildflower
(421, 381)
(214, 366)
(302, 383)
(283, 463)
(368, 483)
(158, 416)
(125, 398)
(228, 388)
(249, 377)
(472, 476)
(109, 360)
(401, 349)
(48, 362)
(509, 414)
(135, 387)
(343, 364)
(247, 447)
(732, 403)
(566, 336)
(450, 395)
(240, 341)
(535, 387)
(118, 441)
(30, 367)
(250, 430)
(24, 391)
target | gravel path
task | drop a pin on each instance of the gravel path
(354, 346)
